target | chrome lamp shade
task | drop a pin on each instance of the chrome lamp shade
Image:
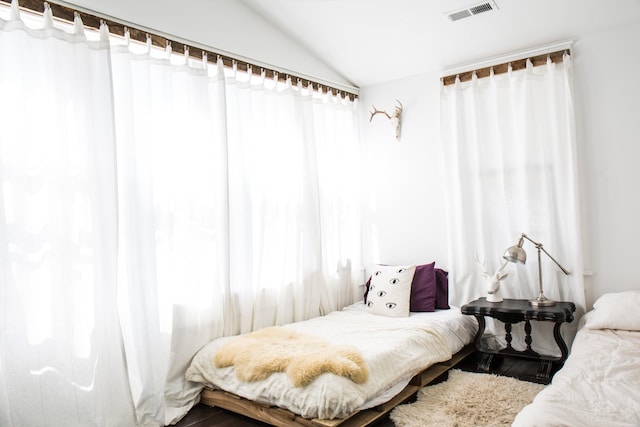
(518, 255)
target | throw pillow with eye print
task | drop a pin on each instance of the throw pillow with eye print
(390, 290)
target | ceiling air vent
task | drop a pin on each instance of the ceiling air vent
(472, 10)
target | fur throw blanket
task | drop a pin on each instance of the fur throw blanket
(303, 357)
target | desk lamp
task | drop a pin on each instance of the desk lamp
(517, 255)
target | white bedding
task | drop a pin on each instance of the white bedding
(395, 349)
(599, 384)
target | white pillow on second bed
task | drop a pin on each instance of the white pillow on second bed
(615, 311)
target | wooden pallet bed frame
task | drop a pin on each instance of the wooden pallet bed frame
(283, 418)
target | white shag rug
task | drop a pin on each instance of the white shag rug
(467, 399)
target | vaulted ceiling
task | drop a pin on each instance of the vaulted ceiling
(366, 42)
(371, 41)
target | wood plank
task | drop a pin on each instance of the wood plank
(430, 374)
(269, 414)
(280, 417)
(369, 416)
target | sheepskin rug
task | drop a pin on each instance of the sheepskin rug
(303, 357)
(467, 399)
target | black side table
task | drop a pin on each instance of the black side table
(512, 311)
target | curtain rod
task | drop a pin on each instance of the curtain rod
(92, 20)
(518, 64)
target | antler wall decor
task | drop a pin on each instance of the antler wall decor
(394, 118)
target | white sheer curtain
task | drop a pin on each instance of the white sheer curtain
(170, 121)
(150, 204)
(61, 358)
(510, 156)
(234, 214)
(294, 203)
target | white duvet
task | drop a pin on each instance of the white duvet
(395, 349)
(599, 384)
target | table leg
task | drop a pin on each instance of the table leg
(563, 346)
(481, 326)
(527, 331)
(508, 337)
(544, 371)
(484, 365)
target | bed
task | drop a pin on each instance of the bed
(401, 354)
(599, 383)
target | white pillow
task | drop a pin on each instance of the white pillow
(390, 290)
(615, 311)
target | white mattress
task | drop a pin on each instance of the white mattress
(395, 349)
(599, 384)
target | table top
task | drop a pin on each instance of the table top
(562, 311)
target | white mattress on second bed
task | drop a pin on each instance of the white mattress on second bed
(395, 349)
(599, 384)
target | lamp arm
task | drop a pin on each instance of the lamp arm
(539, 246)
(524, 236)
(564, 270)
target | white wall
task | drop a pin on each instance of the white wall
(607, 92)
(404, 217)
(226, 26)
(405, 222)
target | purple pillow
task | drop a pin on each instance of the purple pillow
(423, 289)
(442, 289)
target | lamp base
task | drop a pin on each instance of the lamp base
(542, 301)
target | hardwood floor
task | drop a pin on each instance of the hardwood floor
(205, 416)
